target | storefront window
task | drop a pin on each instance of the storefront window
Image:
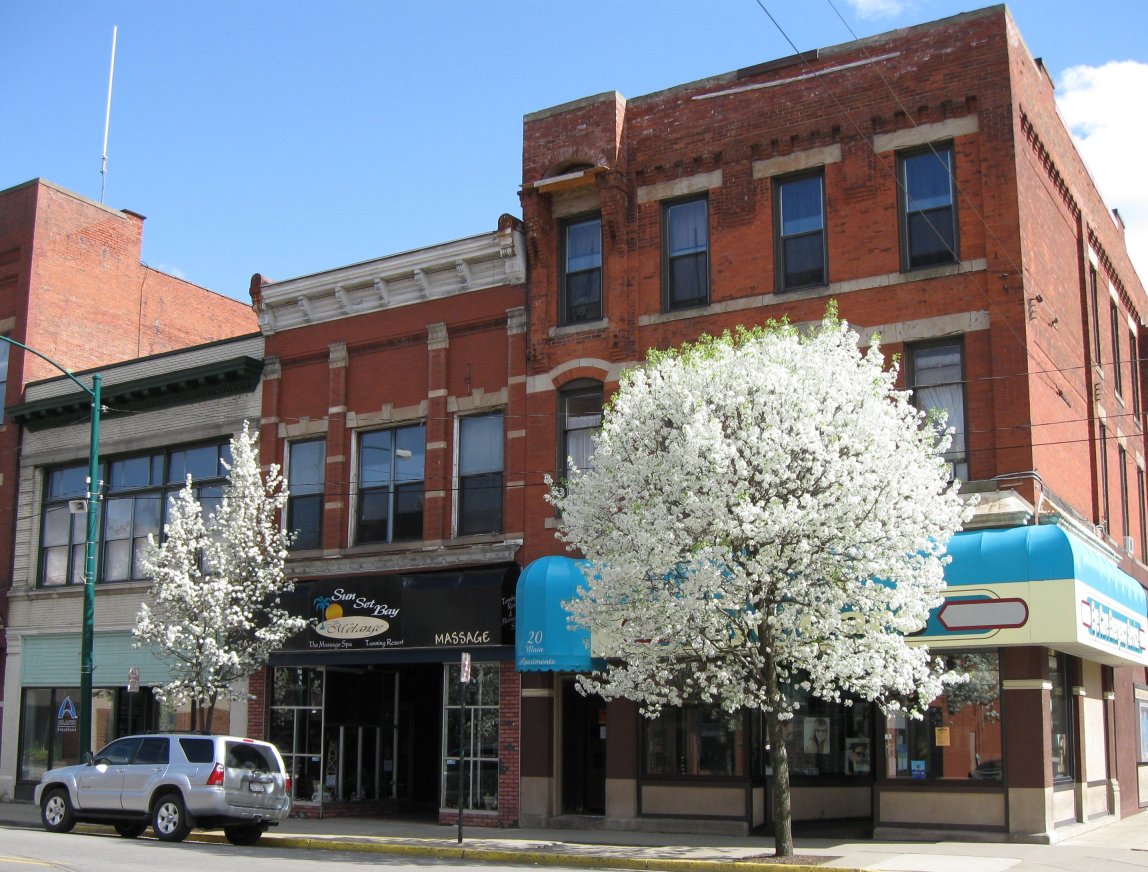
(48, 730)
(297, 727)
(476, 702)
(695, 741)
(1061, 720)
(959, 736)
(829, 738)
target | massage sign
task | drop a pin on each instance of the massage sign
(390, 613)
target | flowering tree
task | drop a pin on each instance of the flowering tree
(214, 606)
(765, 513)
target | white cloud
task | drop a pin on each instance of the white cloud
(1104, 110)
(877, 8)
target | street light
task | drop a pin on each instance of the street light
(91, 542)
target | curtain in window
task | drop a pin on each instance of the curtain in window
(929, 181)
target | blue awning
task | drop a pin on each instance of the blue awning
(1037, 553)
(1040, 585)
(544, 639)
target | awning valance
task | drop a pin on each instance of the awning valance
(1039, 585)
(544, 640)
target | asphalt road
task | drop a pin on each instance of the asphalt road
(29, 850)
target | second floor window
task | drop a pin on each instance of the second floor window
(3, 377)
(1117, 374)
(582, 271)
(137, 490)
(480, 474)
(305, 468)
(935, 374)
(800, 210)
(928, 208)
(685, 254)
(580, 409)
(391, 492)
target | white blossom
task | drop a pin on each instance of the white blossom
(214, 604)
(764, 512)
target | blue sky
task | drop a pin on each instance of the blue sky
(291, 137)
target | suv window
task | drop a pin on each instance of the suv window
(119, 751)
(153, 751)
(248, 757)
(198, 750)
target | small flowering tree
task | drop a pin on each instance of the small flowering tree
(214, 604)
(765, 512)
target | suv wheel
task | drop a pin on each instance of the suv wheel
(169, 818)
(56, 811)
(130, 829)
(243, 834)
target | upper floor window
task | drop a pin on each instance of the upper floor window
(580, 410)
(928, 208)
(1117, 375)
(1094, 295)
(800, 211)
(935, 375)
(1134, 369)
(3, 377)
(685, 254)
(390, 504)
(138, 489)
(582, 270)
(305, 467)
(480, 441)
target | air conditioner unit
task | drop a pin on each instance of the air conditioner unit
(1129, 546)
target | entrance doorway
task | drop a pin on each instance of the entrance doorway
(583, 752)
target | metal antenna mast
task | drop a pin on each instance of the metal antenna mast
(108, 118)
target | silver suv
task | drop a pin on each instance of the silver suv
(173, 781)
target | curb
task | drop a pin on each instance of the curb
(526, 857)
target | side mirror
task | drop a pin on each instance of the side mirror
(88, 757)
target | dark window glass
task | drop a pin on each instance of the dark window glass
(1134, 369)
(1105, 502)
(580, 408)
(1117, 375)
(935, 375)
(1122, 456)
(960, 735)
(582, 273)
(119, 751)
(686, 254)
(138, 490)
(390, 499)
(694, 740)
(801, 232)
(1060, 724)
(1094, 294)
(480, 458)
(1142, 498)
(3, 378)
(153, 750)
(928, 208)
(198, 750)
(305, 468)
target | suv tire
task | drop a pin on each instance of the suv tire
(169, 818)
(56, 811)
(243, 834)
(130, 829)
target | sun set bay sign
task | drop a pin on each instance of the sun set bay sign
(410, 611)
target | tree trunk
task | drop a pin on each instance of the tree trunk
(194, 711)
(209, 721)
(782, 803)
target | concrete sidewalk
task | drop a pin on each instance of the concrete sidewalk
(1119, 846)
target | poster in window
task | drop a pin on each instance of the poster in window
(857, 756)
(817, 735)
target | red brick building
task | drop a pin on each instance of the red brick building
(393, 397)
(923, 180)
(73, 288)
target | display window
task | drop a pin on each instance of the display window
(959, 736)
